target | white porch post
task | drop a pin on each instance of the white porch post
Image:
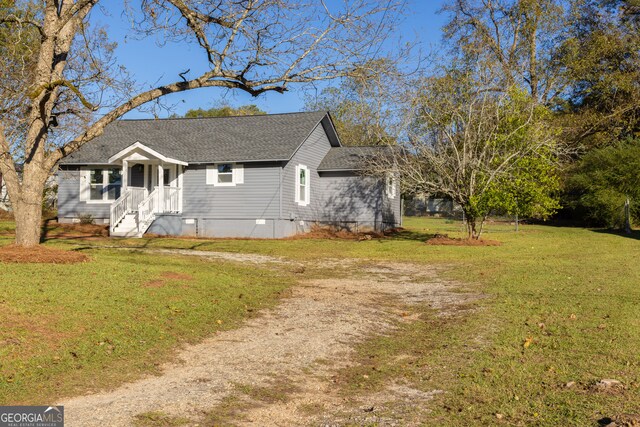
(180, 170)
(125, 175)
(161, 206)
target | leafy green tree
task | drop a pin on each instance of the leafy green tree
(600, 58)
(226, 111)
(530, 190)
(603, 181)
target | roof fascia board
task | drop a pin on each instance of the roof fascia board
(333, 134)
(209, 162)
(141, 146)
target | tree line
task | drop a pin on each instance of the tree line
(531, 109)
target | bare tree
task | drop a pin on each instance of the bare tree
(367, 106)
(515, 38)
(61, 84)
(470, 143)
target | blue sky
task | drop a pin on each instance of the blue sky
(153, 64)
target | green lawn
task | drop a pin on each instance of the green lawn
(67, 329)
(573, 294)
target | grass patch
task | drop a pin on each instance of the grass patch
(562, 305)
(84, 327)
(278, 391)
(159, 419)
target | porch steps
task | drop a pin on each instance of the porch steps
(128, 227)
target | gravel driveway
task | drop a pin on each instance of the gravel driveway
(298, 343)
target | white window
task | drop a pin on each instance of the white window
(225, 174)
(303, 185)
(390, 186)
(100, 184)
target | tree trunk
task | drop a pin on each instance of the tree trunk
(474, 225)
(627, 216)
(27, 210)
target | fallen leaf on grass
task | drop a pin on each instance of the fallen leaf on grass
(527, 342)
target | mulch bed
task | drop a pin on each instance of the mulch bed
(40, 254)
(319, 232)
(76, 230)
(444, 240)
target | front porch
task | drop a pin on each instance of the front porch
(152, 184)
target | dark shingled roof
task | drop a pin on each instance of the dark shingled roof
(350, 158)
(205, 140)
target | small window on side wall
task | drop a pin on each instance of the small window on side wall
(390, 186)
(303, 185)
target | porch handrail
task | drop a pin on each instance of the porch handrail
(171, 199)
(146, 211)
(138, 194)
(119, 209)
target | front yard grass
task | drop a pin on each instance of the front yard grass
(561, 305)
(69, 329)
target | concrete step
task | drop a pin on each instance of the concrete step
(127, 224)
(122, 233)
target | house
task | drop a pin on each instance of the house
(4, 199)
(267, 176)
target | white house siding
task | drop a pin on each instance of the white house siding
(4, 200)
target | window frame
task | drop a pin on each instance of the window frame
(105, 184)
(391, 185)
(212, 174)
(298, 185)
(230, 173)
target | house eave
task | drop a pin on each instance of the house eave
(140, 146)
(341, 170)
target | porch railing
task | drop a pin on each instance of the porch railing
(137, 195)
(146, 204)
(128, 202)
(171, 199)
(119, 209)
(147, 211)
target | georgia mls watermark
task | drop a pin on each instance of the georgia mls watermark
(31, 416)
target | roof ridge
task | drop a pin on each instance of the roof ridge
(222, 117)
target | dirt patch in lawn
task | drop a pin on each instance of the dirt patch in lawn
(444, 240)
(171, 275)
(25, 332)
(279, 368)
(167, 276)
(39, 254)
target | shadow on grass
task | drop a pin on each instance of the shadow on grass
(635, 234)
(411, 235)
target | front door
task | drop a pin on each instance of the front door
(136, 176)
